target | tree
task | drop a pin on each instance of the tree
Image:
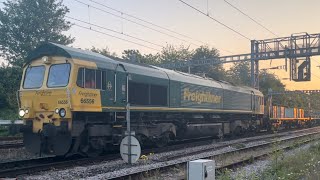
(9, 83)
(132, 55)
(267, 80)
(24, 24)
(136, 56)
(171, 53)
(105, 51)
(239, 74)
(216, 71)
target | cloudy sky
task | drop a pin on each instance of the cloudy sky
(192, 28)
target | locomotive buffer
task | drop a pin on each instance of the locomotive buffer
(130, 148)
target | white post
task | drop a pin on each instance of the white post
(129, 132)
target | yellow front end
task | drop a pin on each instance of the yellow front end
(45, 105)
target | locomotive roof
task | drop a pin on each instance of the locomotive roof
(52, 49)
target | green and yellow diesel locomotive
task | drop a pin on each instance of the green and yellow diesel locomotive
(74, 101)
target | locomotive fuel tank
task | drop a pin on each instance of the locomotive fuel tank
(202, 130)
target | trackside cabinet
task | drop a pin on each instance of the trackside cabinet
(201, 169)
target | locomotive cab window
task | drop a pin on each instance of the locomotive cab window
(33, 78)
(90, 78)
(59, 75)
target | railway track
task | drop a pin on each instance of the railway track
(10, 138)
(11, 142)
(263, 147)
(10, 145)
(13, 169)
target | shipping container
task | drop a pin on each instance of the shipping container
(289, 113)
(278, 112)
(301, 113)
(282, 112)
(295, 113)
(274, 111)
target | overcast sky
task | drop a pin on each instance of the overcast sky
(282, 17)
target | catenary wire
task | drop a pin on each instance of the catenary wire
(148, 22)
(100, 32)
(153, 24)
(91, 24)
(245, 14)
(219, 22)
(97, 8)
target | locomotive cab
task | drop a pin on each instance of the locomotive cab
(45, 98)
(60, 100)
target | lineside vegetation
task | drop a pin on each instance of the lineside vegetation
(303, 164)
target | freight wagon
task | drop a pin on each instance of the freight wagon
(288, 117)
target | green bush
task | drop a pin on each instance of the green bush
(4, 131)
(9, 85)
(9, 114)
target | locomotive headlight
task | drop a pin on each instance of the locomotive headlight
(22, 113)
(62, 112)
(27, 111)
(56, 111)
(46, 59)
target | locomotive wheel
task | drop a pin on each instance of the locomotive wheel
(91, 152)
(61, 143)
(143, 140)
(86, 148)
(32, 142)
(163, 140)
(237, 131)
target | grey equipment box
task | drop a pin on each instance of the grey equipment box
(201, 169)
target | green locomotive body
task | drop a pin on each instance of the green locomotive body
(165, 105)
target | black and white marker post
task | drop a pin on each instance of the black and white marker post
(130, 148)
(128, 133)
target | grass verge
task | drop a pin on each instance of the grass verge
(302, 164)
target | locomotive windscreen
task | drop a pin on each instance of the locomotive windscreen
(34, 77)
(59, 75)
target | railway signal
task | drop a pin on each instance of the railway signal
(296, 49)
